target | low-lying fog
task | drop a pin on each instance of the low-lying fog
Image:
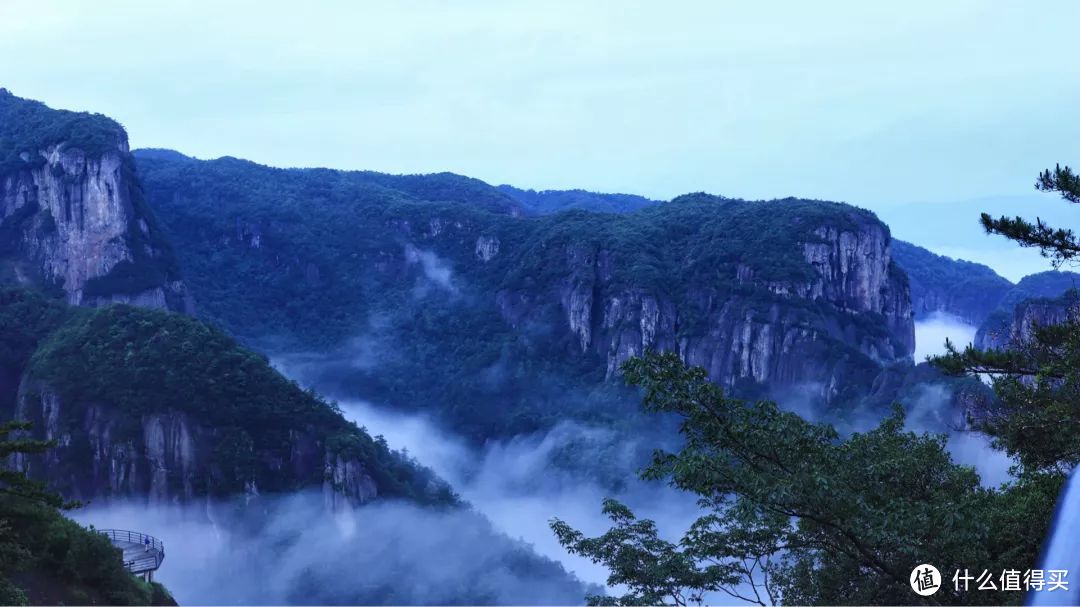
(391, 552)
(931, 333)
(926, 412)
(395, 553)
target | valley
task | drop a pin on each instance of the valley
(341, 380)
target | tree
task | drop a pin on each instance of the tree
(796, 514)
(13, 482)
(1037, 378)
(46, 557)
(1057, 244)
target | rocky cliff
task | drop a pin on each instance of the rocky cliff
(72, 216)
(850, 311)
(507, 322)
(148, 405)
(104, 453)
(1002, 331)
(1042, 298)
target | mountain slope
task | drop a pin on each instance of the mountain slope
(72, 216)
(967, 290)
(1043, 298)
(505, 324)
(61, 563)
(146, 404)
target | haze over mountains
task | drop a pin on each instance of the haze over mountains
(497, 316)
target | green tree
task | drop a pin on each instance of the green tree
(47, 558)
(1037, 377)
(1057, 244)
(796, 514)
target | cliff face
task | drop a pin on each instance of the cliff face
(761, 331)
(505, 323)
(1002, 331)
(72, 217)
(155, 406)
(167, 456)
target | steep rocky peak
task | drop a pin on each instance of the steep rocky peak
(72, 214)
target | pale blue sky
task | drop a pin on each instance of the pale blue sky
(872, 103)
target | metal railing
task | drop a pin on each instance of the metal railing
(154, 548)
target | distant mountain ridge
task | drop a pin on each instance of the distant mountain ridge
(967, 290)
(1043, 298)
(543, 202)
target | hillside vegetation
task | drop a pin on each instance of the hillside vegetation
(141, 362)
(431, 298)
(28, 126)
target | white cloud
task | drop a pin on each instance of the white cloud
(931, 333)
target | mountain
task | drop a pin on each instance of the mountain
(544, 202)
(503, 323)
(145, 404)
(1039, 299)
(72, 215)
(967, 290)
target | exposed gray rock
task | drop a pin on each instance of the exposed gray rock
(165, 457)
(739, 337)
(78, 225)
(998, 334)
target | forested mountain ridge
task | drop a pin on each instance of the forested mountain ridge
(72, 216)
(507, 322)
(967, 290)
(149, 405)
(543, 202)
(1043, 299)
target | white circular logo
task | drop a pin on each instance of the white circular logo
(925, 580)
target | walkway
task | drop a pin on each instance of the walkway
(142, 553)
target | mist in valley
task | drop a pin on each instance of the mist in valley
(500, 548)
(932, 331)
(929, 409)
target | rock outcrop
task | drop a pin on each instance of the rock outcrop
(72, 216)
(168, 457)
(761, 332)
(1003, 331)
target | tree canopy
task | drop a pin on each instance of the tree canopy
(796, 514)
(46, 558)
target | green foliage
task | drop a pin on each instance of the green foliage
(143, 361)
(46, 558)
(1037, 377)
(1059, 245)
(1038, 386)
(126, 278)
(313, 259)
(26, 317)
(797, 514)
(969, 289)
(29, 126)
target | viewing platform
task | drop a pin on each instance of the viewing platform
(143, 553)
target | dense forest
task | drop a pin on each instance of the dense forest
(29, 126)
(142, 362)
(462, 304)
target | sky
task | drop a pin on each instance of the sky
(873, 103)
